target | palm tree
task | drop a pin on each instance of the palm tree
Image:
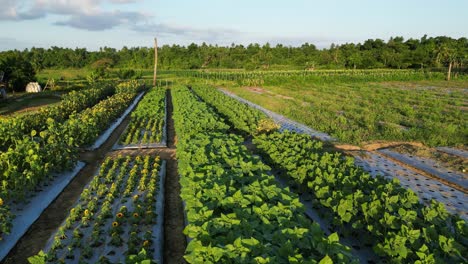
(445, 54)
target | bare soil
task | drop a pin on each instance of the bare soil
(258, 90)
(448, 161)
(346, 147)
(174, 239)
(386, 144)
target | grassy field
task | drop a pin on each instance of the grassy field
(66, 74)
(431, 112)
(81, 74)
(21, 103)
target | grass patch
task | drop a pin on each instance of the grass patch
(28, 103)
(432, 112)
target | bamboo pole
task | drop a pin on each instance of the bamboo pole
(155, 60)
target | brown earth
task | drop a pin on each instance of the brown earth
(446, 160)
(386, 144)
(258, 90)
(174, 239)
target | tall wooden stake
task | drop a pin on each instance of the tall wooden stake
(155, 60)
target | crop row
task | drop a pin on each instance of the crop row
(197, 116)
(242, 117)
(14, 129)
(89, 124)
(260, 77)
(33, 158)
(147, 120)
(236, 213)
(113, 220)
(379, 211)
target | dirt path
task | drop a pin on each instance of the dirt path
(174, 239)
(36, 237)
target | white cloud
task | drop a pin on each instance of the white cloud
(208, 34)
(32, 9)
(102, 20)
(124, 1)
(91, 16)
(12, 10)
(82, 14)
(66, 7)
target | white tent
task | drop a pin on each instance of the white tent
(33, 87)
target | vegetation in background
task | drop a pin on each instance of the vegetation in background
(396, 53)
(18, 71)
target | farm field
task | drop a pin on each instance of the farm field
(233, 132)
(232, 184)
(360, 108)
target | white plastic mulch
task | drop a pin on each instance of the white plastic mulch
(104, 136)
(27, 214)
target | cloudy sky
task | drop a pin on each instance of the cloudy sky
(117, 23)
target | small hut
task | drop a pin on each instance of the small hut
(33, 87)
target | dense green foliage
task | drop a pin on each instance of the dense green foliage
(18, 71)
(378, 211)
(235, 211)
(86, 126)
(373, 53)
(147, 120)
(260, 78)
(12, 129)
(243, 117)
(194, 115)
(32, 157)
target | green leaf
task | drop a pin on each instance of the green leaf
(261, 260)
(326, 260)
(344, 210)
(333, 238)
(37, 259)
(413, 235)
(250, 241)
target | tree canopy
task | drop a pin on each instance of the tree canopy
(395, 53)
(18, 70)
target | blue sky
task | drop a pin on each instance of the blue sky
(117, 23)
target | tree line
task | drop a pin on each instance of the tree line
(396, 53)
